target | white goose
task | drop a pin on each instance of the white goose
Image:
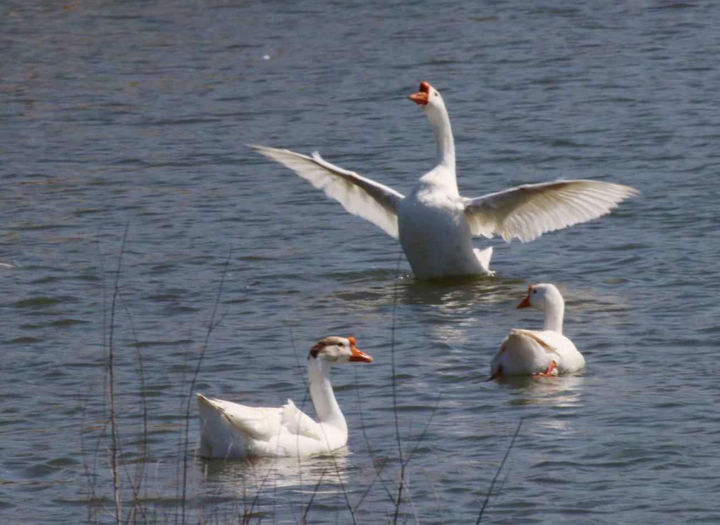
(435, 224)
(231, 430)
(544, 353)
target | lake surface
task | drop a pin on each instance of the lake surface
(135, 114)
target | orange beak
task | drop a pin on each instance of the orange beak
(358, 355)
(526, 302)
(422, 97)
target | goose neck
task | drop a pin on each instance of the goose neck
(440, 121)
(554, 314)
(323, 397)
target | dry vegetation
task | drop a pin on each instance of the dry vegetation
(117, 453)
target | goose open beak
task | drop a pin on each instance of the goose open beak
(358, 355)
(422, 97)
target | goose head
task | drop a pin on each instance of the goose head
(548, 299)
(542, 297)
(429, 99)
(336, 350)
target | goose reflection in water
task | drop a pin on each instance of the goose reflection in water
(560, 391)
(265, 474)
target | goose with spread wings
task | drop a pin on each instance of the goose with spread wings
(434, 223)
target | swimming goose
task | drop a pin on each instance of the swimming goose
(544, 353)
(231, 430)
(434, 223)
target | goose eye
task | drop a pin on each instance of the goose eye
(534, 291)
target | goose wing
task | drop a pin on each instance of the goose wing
(357, 194)
(300, 424)
(528, 211)
(257, 423)
(546, 344)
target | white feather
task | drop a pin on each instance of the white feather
(228, 429)
(434, 224)
(528, 211)
(530, 352)
(358, 195)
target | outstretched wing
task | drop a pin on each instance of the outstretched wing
(358, 195)
(528, 211)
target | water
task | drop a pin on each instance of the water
(135, 114)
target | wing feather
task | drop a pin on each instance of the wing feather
(299, 423)
(519, 332)
(257, 423)
(528, 211)
(358, 195)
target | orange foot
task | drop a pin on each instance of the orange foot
(549, 371)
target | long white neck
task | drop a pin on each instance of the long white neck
(323, 397)
(440, 122)
(554, 314)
